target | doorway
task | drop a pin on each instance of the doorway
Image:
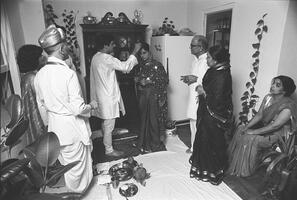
(218, 27)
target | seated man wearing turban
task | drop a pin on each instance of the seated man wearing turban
(59, 93)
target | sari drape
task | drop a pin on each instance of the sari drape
(152, 99)
(209, 158)
(245, 150)
(31, 111)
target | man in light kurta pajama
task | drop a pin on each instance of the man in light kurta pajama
(58, 91)
(198, 69)
(104, 87)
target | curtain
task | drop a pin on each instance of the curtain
(8, 51)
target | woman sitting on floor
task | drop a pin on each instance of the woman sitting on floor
(151, 82)
(265, 129)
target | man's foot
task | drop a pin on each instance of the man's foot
(189, 151)
(144, 151)
(115, 153)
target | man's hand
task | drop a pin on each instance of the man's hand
(145, 81)
(189, 79)
(94, 104)
(200, 90)
(136, 48)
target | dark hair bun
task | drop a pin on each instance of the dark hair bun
(28, 57)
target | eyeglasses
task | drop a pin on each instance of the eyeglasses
(194, 45)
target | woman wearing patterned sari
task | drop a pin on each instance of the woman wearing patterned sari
(30, 59)
(209, 158)
(265, 129)
(151, 82)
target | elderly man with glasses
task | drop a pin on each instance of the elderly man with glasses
(199, 67)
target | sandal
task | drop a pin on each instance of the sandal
(217, 180)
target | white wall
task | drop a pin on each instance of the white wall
(13, 13)
(31, 13)
(244, 18)
(288, 55)
(26, 21)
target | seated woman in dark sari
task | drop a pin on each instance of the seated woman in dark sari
(151, 82)
(30, 59)
(264, 129)
(209, 158)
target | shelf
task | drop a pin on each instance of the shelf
(113, 27)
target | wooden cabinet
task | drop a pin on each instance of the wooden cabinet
(125, 37)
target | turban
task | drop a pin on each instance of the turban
(51, 37)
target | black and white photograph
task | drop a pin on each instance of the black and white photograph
(148, 100)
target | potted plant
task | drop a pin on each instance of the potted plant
(27, 178)
(283, 163)
(167, 28)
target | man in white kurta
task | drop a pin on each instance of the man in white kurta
(198, 69)
(104, 87)
(58, 91)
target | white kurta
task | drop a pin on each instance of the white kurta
(58, 91)
(104, 87)
(198, 68)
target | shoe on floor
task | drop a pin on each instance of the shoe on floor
(188, 151)
(115, 153)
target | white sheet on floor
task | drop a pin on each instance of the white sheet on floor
(169, 179)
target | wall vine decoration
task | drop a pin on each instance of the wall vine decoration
(69, 19)
(249, 99)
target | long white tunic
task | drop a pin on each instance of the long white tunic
(59, 92)
(198, 68)
(104, 87)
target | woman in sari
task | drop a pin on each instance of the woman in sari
(209, 158)
(30, 59)
(264, 129)
(151, 82)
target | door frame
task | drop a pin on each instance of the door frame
(220, 8)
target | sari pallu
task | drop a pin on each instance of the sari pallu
(209, 157)
(31, 111)
(245, 151)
